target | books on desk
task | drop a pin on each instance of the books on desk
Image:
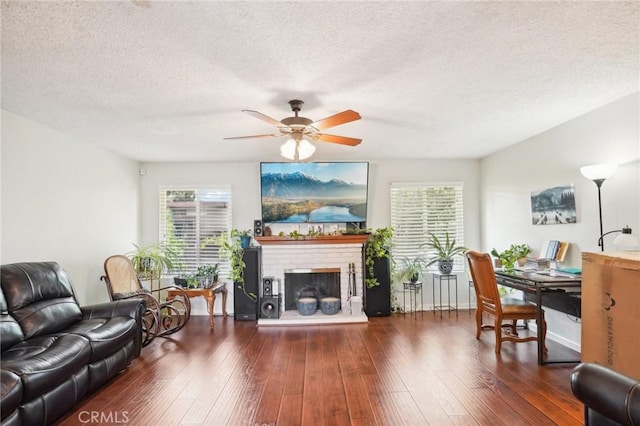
(569, 272)
(536, 264)
(554, 250)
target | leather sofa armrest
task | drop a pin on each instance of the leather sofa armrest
(607, 392)
(133, 308)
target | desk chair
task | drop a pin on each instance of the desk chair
(503, 309)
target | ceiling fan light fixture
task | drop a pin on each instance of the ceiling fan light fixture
(288, 149)
(297, 150)
(305, 149)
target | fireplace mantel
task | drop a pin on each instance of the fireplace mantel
(320, 239)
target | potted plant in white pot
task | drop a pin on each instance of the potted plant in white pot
(445, 251)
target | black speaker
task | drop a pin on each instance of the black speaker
(270, 307)
(258, 229)
(267, 286)
(245, 295)
(377, 300)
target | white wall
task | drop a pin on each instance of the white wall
(66, 201)
(608, 134)
(245, 181)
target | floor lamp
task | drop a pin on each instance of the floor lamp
(598, 173)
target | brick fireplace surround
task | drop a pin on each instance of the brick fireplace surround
(280, 254)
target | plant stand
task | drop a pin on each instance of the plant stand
(448, 278)
(414, 289)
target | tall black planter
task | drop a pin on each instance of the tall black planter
(245, 307)
(377, 300)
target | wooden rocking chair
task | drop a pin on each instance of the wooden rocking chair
(161, 318)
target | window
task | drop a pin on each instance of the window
(418, 209)
(190, 221)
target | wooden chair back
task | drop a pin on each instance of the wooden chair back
(484, 280)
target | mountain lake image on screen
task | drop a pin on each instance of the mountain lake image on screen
(314, 192)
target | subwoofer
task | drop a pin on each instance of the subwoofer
(258, 228)
(270, 307)
(267, 286)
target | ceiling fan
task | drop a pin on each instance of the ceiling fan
(298, 148)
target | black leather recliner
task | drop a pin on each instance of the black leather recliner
(54, 352)
(609, 398)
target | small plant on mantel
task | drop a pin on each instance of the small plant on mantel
(378, 246)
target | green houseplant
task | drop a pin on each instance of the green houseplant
(151, 261)
(411, 268)
(245, 237)
(207, 275)
(230, 244)
(378, 246)
(445, 251)
(510, 256)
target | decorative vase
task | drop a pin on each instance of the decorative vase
(445, 266)
(330, 305)
(307, 305)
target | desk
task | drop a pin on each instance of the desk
(540, 283)
(208, 293)
(414, 289)
(448, 278)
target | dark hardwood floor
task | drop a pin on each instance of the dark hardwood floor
(398, 370)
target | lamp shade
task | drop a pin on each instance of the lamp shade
(297, 150)
(288, 150)
(305, 149)
(598, 171)
(626, 241)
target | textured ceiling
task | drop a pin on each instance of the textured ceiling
(165, 81)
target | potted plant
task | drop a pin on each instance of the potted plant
(230, 244)
(445, 251)
(151, 261)
(411, 268)
(510, 256)
(207, 275)
(245, 237)
(378, 247)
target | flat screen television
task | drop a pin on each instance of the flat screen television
(332, 192)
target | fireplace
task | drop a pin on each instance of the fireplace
(281, 256)
(315, 282)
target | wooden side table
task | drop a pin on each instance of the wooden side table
(208, 293)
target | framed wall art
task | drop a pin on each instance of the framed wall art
(553, 206)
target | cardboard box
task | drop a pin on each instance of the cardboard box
(611, 310)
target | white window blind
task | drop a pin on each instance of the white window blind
(418, 209)
(190, 221)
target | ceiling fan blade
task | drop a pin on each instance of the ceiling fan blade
(263, 117)
(342, 140)
(254, 137)
(336, 119)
